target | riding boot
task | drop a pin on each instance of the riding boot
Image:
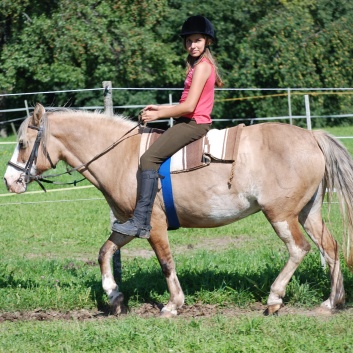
(139, 224)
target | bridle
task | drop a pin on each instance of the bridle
(28, 177)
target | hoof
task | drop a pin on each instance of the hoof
(273, 309)
(117, 306)
(324, 310)
(168, 314)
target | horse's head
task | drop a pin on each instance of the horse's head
(30, 157)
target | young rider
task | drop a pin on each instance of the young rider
(192, 122)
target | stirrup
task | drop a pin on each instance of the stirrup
(143, 233)
(132, 229)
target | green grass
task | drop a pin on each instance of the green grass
(49, 244)
(248, 334)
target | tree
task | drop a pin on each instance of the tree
(301, 44)
(78, 45)
(56, 45)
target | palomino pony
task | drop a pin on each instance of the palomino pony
(281, 170)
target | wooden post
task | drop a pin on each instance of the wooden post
(108, 97)
(13, 129)
(108, 108)
(27, 110)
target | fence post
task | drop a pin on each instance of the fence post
(308, 123)
(307, 111)
(170, 102)
(289, 107)
(108, 98)
(108, 108)
(27, 110)
(13, 129)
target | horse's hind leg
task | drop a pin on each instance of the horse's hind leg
(312, 221)
(298, 247)
(116, 298)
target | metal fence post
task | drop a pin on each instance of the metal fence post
(307, 111)
(308, 122)
(108, 107)
(289, 107)
(170, 102)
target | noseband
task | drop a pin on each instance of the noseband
(28, 177)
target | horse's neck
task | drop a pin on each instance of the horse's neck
(82, 139)
(85, 134)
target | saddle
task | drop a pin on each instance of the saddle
(218, 145)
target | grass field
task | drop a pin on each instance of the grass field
(49, 246)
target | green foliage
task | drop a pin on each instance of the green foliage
(78, 45)
(300, 44)
(55, 45)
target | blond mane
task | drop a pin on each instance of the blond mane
(94, 115)
(101, 116)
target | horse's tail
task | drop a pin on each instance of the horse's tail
(339, 177)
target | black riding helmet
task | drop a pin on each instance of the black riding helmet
(198, 24)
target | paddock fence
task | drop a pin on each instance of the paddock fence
(305, 97)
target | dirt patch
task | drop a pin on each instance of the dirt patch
(149, 310)
(221, 243)
(48, 315)
(144, 311)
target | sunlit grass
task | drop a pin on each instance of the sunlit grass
(252, 333)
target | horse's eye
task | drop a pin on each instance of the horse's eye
(22, 143)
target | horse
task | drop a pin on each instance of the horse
(280, 169)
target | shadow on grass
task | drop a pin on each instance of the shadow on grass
(213, 286)
(148, 285)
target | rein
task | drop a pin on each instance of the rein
(28, 177)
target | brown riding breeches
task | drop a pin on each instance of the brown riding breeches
(172, 140)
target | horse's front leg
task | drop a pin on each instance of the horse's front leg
(116, 298)
(160, 244)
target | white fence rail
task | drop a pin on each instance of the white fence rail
(283, 92)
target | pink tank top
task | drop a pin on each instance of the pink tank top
(202, 112)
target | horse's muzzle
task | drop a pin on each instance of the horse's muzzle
(16, 186)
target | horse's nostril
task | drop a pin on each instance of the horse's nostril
(5, 181)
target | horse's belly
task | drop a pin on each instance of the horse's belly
(217, 210)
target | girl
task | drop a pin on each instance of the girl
(192, 115)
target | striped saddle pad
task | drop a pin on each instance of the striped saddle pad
(219, 145)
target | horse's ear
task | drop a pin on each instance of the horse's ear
(38, 113)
